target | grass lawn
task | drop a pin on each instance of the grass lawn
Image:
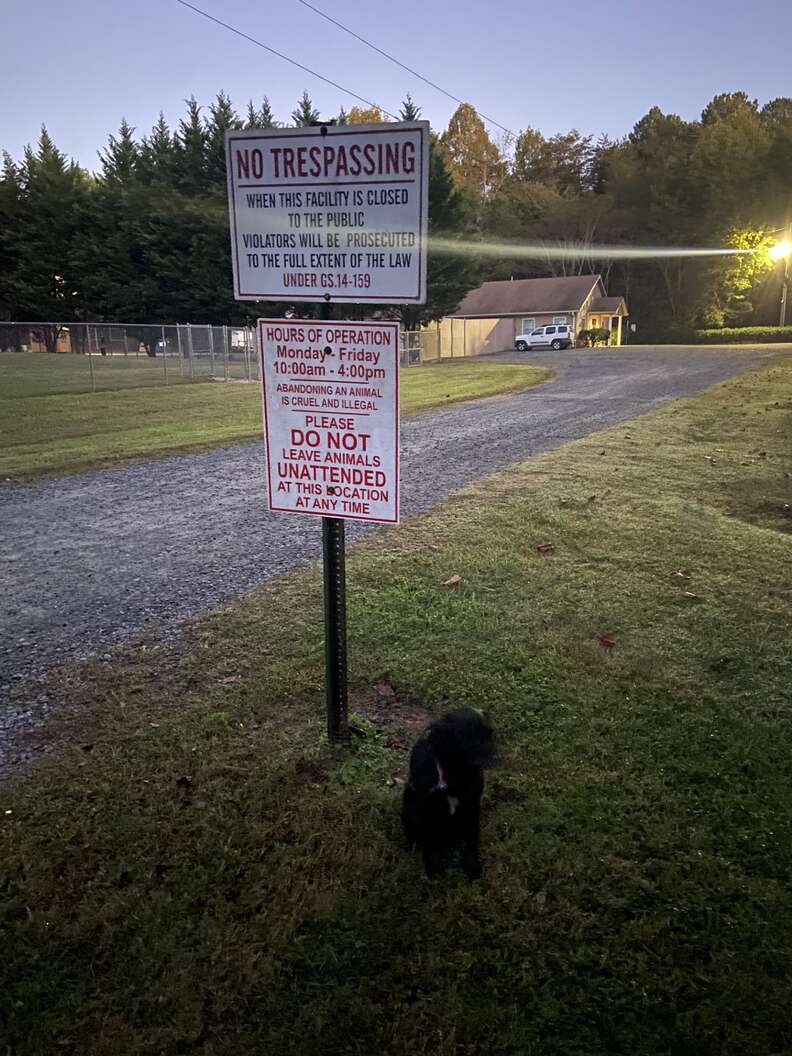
(199, 874)
(67, 432)
(46, 374)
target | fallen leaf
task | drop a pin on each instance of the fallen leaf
(607, 641)
(688, 594)
(230, 680)
(453, 581)
(545, 548)
(681, 573)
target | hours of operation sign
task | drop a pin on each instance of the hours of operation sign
(335, 212)
(331, 417)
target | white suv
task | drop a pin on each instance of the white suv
(556, 336)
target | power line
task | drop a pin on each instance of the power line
(409, 69)
(266, 47)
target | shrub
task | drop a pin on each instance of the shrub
(600, 335)
(726, 335)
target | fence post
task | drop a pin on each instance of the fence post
(90, 357)
(179, 343)
(164, 354)
(225, 352)
(211, 348)
(190, 347)
(247, 353)
(255, 356)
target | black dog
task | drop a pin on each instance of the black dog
(442, 799)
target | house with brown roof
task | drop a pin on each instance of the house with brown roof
(492, 317)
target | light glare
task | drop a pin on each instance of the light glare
(571, 250)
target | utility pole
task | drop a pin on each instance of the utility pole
(783, 251)
(784, 290)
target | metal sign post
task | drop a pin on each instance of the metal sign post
(335, 628)
(334, 563)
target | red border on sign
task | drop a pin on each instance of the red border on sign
(397, 416)
(338, 298)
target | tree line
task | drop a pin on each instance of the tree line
(145, 237)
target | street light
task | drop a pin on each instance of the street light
(783, 251)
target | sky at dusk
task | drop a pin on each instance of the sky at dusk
(79, 67)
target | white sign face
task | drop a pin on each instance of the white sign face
(331, 417)
(336, 212)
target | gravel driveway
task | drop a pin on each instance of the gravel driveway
(90, 559)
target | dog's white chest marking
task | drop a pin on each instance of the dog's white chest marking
(442, 786)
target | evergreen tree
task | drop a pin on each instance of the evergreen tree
(157, 155)
(191, 151)
(120, 159)
(266, 116)
(263, 118)
(306, 113)
(222, 117)
(409, 111)
(11, 228)
(53, 197)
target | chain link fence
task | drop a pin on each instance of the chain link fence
(39, 359)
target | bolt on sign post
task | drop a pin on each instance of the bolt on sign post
(326, 214)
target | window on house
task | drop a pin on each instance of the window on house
(528, 325)
(615, 322)
(559, 319)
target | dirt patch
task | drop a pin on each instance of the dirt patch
(71, 705)
(400, 721)
(765, 502)
(310, 772)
